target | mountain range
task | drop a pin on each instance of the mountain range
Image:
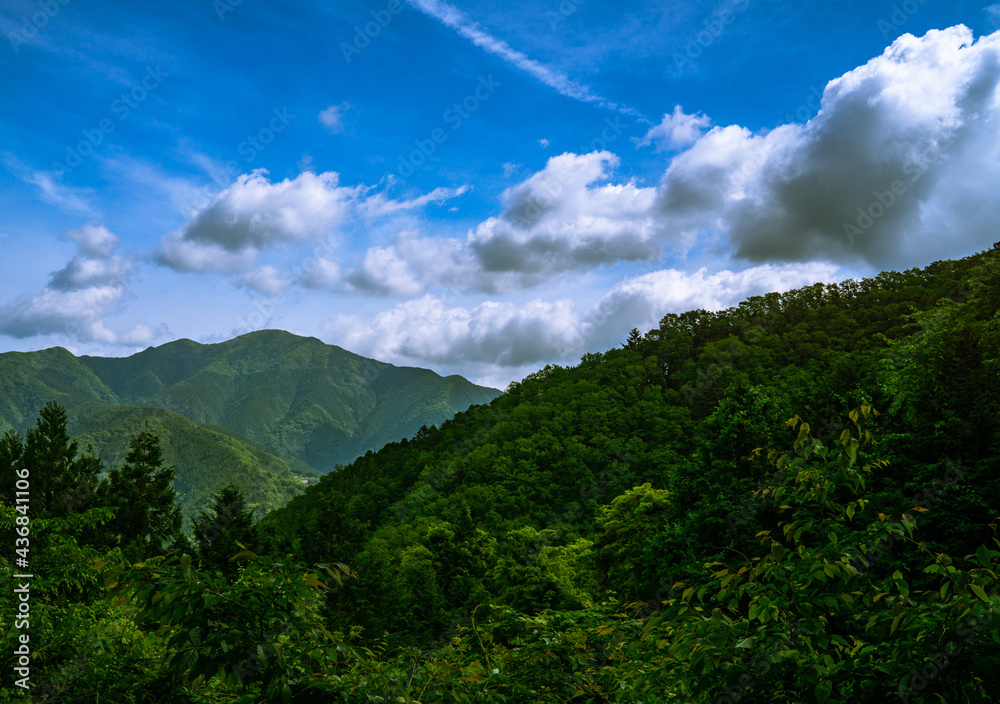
(268, 410)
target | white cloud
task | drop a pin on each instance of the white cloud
(266, 280)
(543, 143)
(500, 341)
(50, 189)
(425, 330)
(412, 265)
(558, 219)
(333, 117)
(320, 273)
(95, 265)
(252, 214)
(921, 119)
(642, 302)
(79, 296)
(68, 198)
(380, 205)
(677, 131)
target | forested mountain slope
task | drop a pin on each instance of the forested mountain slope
(266, 410)
(525, 501)
(291, 394)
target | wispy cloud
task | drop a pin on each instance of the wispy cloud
(452, 17)
(73, 200)
(993, 11)
(333, 117)
(50, 188)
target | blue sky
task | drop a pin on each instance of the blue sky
(478, 188)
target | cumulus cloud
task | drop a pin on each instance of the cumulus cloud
(901, 164)
(252, 214)
(497, 342)
(428, 331)
(559, 219)
(677, 131)
(320, 273)
(641, 302)
(412, 264)
(266, 280)
(79, 296)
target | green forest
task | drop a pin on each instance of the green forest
(792, 500)
(268, 411)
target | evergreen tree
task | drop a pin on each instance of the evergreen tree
(147, 517)
(11, 450)
(62, 482)
(634, 340)
(216, 533)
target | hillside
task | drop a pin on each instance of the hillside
(292, 395)
(267, 410)
(793, 499)
(522, 502)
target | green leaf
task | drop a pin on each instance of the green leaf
(980, 592)
(895, 623)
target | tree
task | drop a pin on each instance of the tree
(634, 339)
(147, 517)
(217, 532)
(623, 529)
(11, 450)
(62, 482)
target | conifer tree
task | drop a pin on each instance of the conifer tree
(11, 450)
(147, 517)
(634, 339)
(216, 532)
(63, 482)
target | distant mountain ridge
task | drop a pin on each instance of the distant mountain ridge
(271, 406)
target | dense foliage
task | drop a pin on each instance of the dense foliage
(715, 512)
